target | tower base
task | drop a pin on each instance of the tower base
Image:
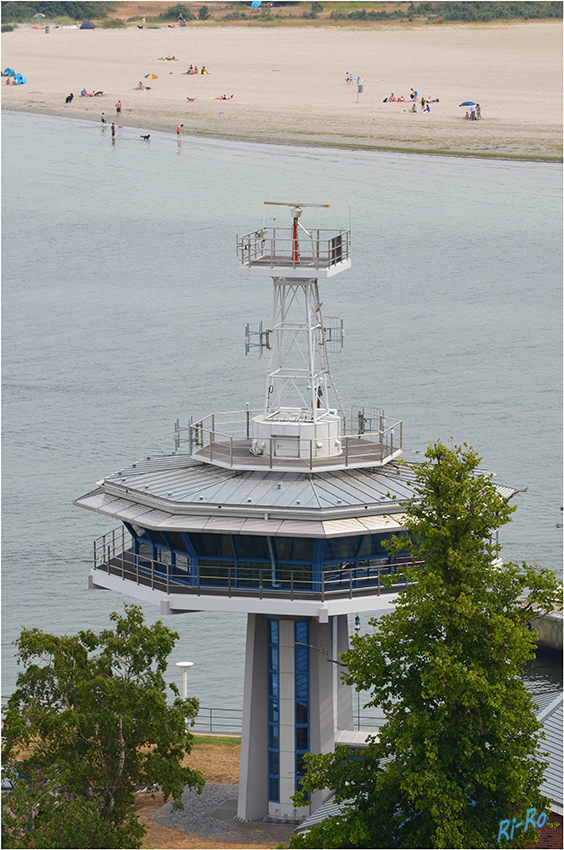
(294, 702)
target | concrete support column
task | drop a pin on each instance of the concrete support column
(253, 770)
(344, 715)
(285, 808)
(327, 707)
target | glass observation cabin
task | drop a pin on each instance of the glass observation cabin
(183, 547)
(194, 564)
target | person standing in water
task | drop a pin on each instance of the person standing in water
(103, 118)
(179, 131)
(113, 131)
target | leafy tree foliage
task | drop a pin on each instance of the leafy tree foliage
(21, 11)
(458, 752)
(458, 10)
(204, 13)
(38, 813)
(172, 12)
(90, 714)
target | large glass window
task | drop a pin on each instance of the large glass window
(212, 545)
(340, 548)
(158, 538)
(294, 548)
(248, 546)
(373, 546)
(273, 711)
(176, 541)
(301, 666)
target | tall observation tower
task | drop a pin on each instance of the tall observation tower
(280, 512)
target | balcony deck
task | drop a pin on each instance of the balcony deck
(356, 453)
(346, 583)
(319, 254)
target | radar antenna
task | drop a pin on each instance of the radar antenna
(296, 210)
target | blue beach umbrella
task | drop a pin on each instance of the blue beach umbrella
(468, 103)
(255, 4)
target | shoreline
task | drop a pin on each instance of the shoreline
(323, 145)
(289, 88)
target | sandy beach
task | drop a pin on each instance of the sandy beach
(288, 83)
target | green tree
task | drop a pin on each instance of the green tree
(13, 10)
(172, 12)
(90, 714)
(458, 752)
(204, 13)
(38, 813)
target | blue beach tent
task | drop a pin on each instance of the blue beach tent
(8, 73)
(20, 80)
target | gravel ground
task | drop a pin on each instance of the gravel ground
(212, 813)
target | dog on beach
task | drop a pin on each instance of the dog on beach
(69, 98)
(146, 138)
(191, 99)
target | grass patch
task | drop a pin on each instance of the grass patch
(219, 741)
(8, 27)
(112, 24)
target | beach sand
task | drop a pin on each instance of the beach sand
(288, 83)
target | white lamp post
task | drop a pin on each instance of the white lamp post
(185, 666)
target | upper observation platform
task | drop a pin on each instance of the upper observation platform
(291, 253)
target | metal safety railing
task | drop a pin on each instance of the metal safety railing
(165, 574)
(273, 246)
(225, 438)
(226, 720)
(229, 721)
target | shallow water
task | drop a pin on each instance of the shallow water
(123, 309)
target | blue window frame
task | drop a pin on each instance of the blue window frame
(301, 668)
(273, 627)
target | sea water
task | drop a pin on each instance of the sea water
(123, 310)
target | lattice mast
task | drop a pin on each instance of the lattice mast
(299, 383)
(299, 373)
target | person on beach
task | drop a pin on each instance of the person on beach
(118, 108)
(203, 71)
(179, 131)
(413, 107)
(478, 111)
(103, 118)
(113, 130)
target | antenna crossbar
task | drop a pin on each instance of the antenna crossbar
(288, 204)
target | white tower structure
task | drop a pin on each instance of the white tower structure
(281, 512)
(298, 414)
